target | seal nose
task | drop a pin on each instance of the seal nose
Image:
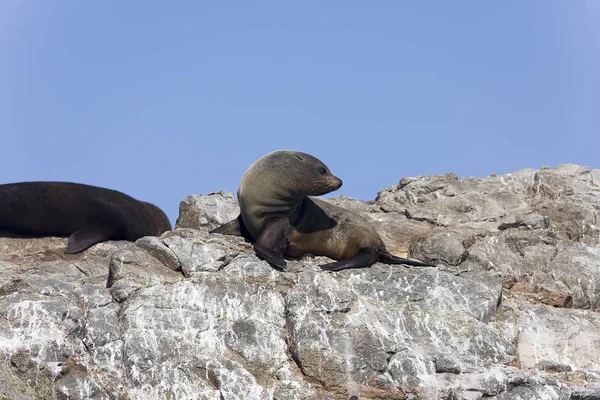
(338, 183)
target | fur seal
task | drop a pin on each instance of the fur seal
(85, 214)
(279, 215)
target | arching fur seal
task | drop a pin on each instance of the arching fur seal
(279, 216)
(86, 214)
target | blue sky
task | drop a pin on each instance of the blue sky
(165, 99)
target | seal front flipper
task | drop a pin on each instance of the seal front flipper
(273, 241)
(235, 227)
(388, 258)
(363, 259)
(89, 235)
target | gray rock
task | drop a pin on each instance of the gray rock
(589, 392)
(446, 363)
(158, 249)
(440, 247)
(207, 212)
(551, 365)
(563, 338)
(197, 251)
(12, 384)
(511, 311)
(132, 268)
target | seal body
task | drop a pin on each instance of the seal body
(279, 214)
(85, 214)
(340, 237)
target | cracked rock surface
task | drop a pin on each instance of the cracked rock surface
(510, 312)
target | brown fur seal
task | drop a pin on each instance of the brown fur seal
(86, 214)
(277, 214)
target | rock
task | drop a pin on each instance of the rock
(558, 339)
(12, 384)
(197, 251)
(446, 363)
(589, 392)
(205, 213)
(551, 365)
(510, 312)
(132, 268)
(440, 247)
(158, 249)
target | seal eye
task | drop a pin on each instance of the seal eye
(321, 170)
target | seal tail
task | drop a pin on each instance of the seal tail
(388, 258)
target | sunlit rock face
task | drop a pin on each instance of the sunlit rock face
(510, 311)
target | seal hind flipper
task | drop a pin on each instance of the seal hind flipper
(89, 235)
(363, 259)
(388, 258)
(273, 241)
(235, 227)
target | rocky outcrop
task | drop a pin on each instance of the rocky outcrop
(510, 311)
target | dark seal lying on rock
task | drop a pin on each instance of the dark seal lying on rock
(86, 214)
(277, 214)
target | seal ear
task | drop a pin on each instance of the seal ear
(89, 235)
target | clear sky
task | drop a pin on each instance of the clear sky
(165, 99)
